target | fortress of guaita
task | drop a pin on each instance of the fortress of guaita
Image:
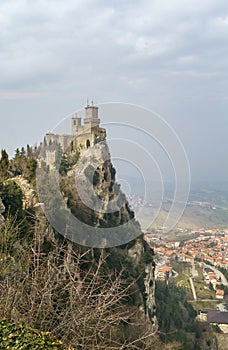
(82, 136)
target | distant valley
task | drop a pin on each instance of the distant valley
(207, 208)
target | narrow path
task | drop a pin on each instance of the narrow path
(193, 288)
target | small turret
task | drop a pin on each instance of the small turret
(76, 124)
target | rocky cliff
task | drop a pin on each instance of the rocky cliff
(29, 194)
(93, 196)
(100, 201)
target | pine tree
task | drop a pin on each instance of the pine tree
(4, 164)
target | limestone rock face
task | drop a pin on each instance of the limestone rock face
(2, 209)
(135, 253)
(150, 293)
(92, 194)
(96, 193)
(29, 194)
(99, 201)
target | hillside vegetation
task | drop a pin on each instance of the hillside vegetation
(87, 298)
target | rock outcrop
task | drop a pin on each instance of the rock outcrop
(29, 194)
(107, 206)
(90, 192)
(136, 253)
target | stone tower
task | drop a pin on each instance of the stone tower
(91, 116)
(76, 124)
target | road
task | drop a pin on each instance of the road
(219, 273)
(210, 300)
(193, 288)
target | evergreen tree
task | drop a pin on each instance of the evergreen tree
(11, 196)
(23, 153)
(29, 151)
(30, 171)
(4, 164)
(58, 156)
(19, 162)
(17, 153)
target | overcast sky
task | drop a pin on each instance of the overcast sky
(169, 56)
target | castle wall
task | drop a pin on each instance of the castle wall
(50, 159)
(82, 137)
(63, 140)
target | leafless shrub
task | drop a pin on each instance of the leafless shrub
(85, 307)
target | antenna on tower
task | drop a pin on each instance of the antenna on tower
(87, 102)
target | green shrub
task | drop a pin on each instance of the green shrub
(17, 336)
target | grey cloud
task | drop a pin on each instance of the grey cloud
(43, 38)
(171, 55)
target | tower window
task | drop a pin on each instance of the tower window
(87, 143)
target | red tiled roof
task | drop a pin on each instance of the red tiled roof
(165, 269)
(219, 292)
